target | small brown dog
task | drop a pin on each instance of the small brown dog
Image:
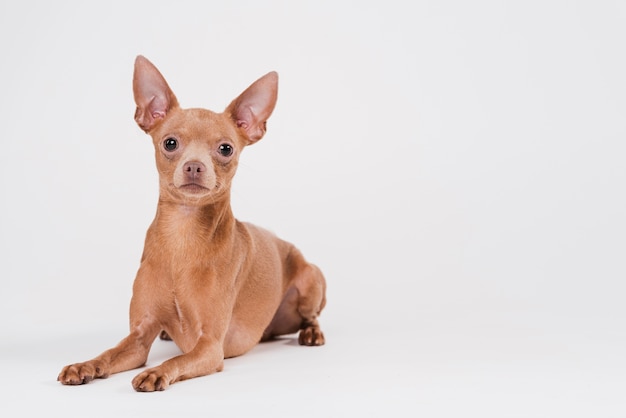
(212, 284)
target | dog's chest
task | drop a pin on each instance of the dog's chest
(186, 292)
(184, 239)
(191, 270)
(182, 321)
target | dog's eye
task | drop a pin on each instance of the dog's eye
(225, 150)
(170, 144)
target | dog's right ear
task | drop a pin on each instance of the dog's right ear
(153, 96)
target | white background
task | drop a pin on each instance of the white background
(457, 169)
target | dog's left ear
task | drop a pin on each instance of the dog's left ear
(254, 106)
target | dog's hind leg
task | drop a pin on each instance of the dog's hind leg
(302, 304)
(311, 287)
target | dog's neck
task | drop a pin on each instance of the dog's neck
(187, 222)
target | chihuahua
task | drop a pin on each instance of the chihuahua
(212, 284)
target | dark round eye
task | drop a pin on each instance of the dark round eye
(170, 144)
(225, 150)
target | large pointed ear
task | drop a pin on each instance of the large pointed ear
(254, 106)
(153, 96)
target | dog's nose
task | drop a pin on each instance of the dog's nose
(194, 167)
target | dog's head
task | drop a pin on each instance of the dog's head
(197, 150)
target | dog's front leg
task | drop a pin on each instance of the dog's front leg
(130, 353)
(205, 358)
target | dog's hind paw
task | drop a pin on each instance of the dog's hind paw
(311, 335)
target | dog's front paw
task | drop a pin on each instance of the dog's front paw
(151, 380)
(81, 373)
(311, 336)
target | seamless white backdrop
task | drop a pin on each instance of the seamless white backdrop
(455, 168)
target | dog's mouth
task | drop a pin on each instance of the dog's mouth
(193, 188)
